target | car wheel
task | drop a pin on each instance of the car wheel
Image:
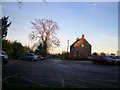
(19, 58)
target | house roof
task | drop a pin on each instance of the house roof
(79, 42)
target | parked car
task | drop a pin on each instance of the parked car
(113, 57)
(90, 58)
(103, 60)
(29, 56)
(40, 57)
(118, 59)
(3, 57)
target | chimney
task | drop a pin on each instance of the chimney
(83, 35)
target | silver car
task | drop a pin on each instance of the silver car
(118, 59)
(3, 57)
(29, 56)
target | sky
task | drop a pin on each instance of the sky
(98, 21)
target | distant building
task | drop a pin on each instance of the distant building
(80, 48)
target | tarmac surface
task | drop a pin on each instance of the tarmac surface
(61, 73)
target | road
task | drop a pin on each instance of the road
(61, 73)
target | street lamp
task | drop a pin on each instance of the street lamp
(67, 46)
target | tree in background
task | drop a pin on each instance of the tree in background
(102, 53)
(39, 49)
(5, 26)
(14, 49)
(94, 54)
(45, 34)
(18, 49)
(7, 47)
(27, 49)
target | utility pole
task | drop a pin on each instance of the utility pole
(67, 46)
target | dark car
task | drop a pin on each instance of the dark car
(103, 60)
(3, 57)
(29, 56)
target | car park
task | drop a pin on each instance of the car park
(29, 57)
(3, 57)
(103, 60)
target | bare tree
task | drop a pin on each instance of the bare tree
(45, 33)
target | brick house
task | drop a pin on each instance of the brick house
(80, 48)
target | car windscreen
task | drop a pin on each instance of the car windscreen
(29, 54)
(100, 57)
(3, 53)
(118, 57)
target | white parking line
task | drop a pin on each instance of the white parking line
(10, 76)
(5, 80)
(32, 81)
(62, 81)
(103, 84)
(75, 85)
(94, 81)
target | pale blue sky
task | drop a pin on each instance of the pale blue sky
(98, 21)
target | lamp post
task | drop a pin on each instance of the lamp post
(67, 46)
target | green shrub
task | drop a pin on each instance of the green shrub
(66, 56)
